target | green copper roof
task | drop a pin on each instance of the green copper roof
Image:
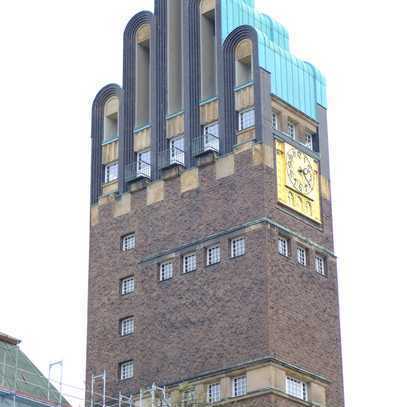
(295, 81)
(20, 376)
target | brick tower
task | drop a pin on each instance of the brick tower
(212, 265)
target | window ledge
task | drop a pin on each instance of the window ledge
(208, 100)
(104, 143)
(139, 129)
(243, 86)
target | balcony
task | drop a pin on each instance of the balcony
(205, 143)
(136, 170)
(173, 156)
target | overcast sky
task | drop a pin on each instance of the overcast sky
(56, 55)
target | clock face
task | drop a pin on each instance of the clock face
(298, 181)
(300, 171)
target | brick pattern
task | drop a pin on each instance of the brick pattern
(240, 309)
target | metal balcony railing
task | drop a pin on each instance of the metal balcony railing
(171, 156)
(205, 142)
(137, 169)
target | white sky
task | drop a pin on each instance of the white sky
(56, 55)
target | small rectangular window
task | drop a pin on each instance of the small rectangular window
(126, 370)
(296, 388)
(291, 130)
(239, 386)
(275, 121)
(110, 172)
(127, 285)
(177, 150)
(166, 271)
(189, 263)
(247, 119)
(128, 242)
(302, 256)
(320, 265)
(143, 165)
(213, 255)
(127, 326)
(214, 393)
(283, 246)
(238, 247)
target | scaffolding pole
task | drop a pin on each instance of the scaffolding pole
(53, 365)
(103, 378)
(124, 400)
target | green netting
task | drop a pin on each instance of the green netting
(18, 374)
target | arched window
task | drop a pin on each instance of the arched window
(111, 118)
(244, 62)
(142, 108)
(208, 49)
(175, 56)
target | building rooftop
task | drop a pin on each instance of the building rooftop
(297, 82)
(19, 376)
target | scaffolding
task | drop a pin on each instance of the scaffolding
(15, 381)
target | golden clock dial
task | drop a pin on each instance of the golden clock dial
(300, 171)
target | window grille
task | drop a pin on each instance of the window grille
(128, 242)
(127, 285)
(165, 271)
(189, 263)
(320, 265)
(291, 130)
(302, 256)
(275, 121)
(296, 388)
(283, 246)
(238, 247)
(110, 172)
(127, 326)
(213, 255)
(247, 119)
(239, 386)
(214, 393)
(126, 370)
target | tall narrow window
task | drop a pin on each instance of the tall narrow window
(283, 247)
(211, 137)
(302, 256)
(166, 271)
(174, 56)
(320, 265)
(208, 51)
(110, 172)
(177, 150)
(142, 104)
(275, 120)
(308, 140)
(239, 386)
(291, 129)
(214, 393)
(213, 255)
(111, 124)
(244, 63)
(143, 165)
